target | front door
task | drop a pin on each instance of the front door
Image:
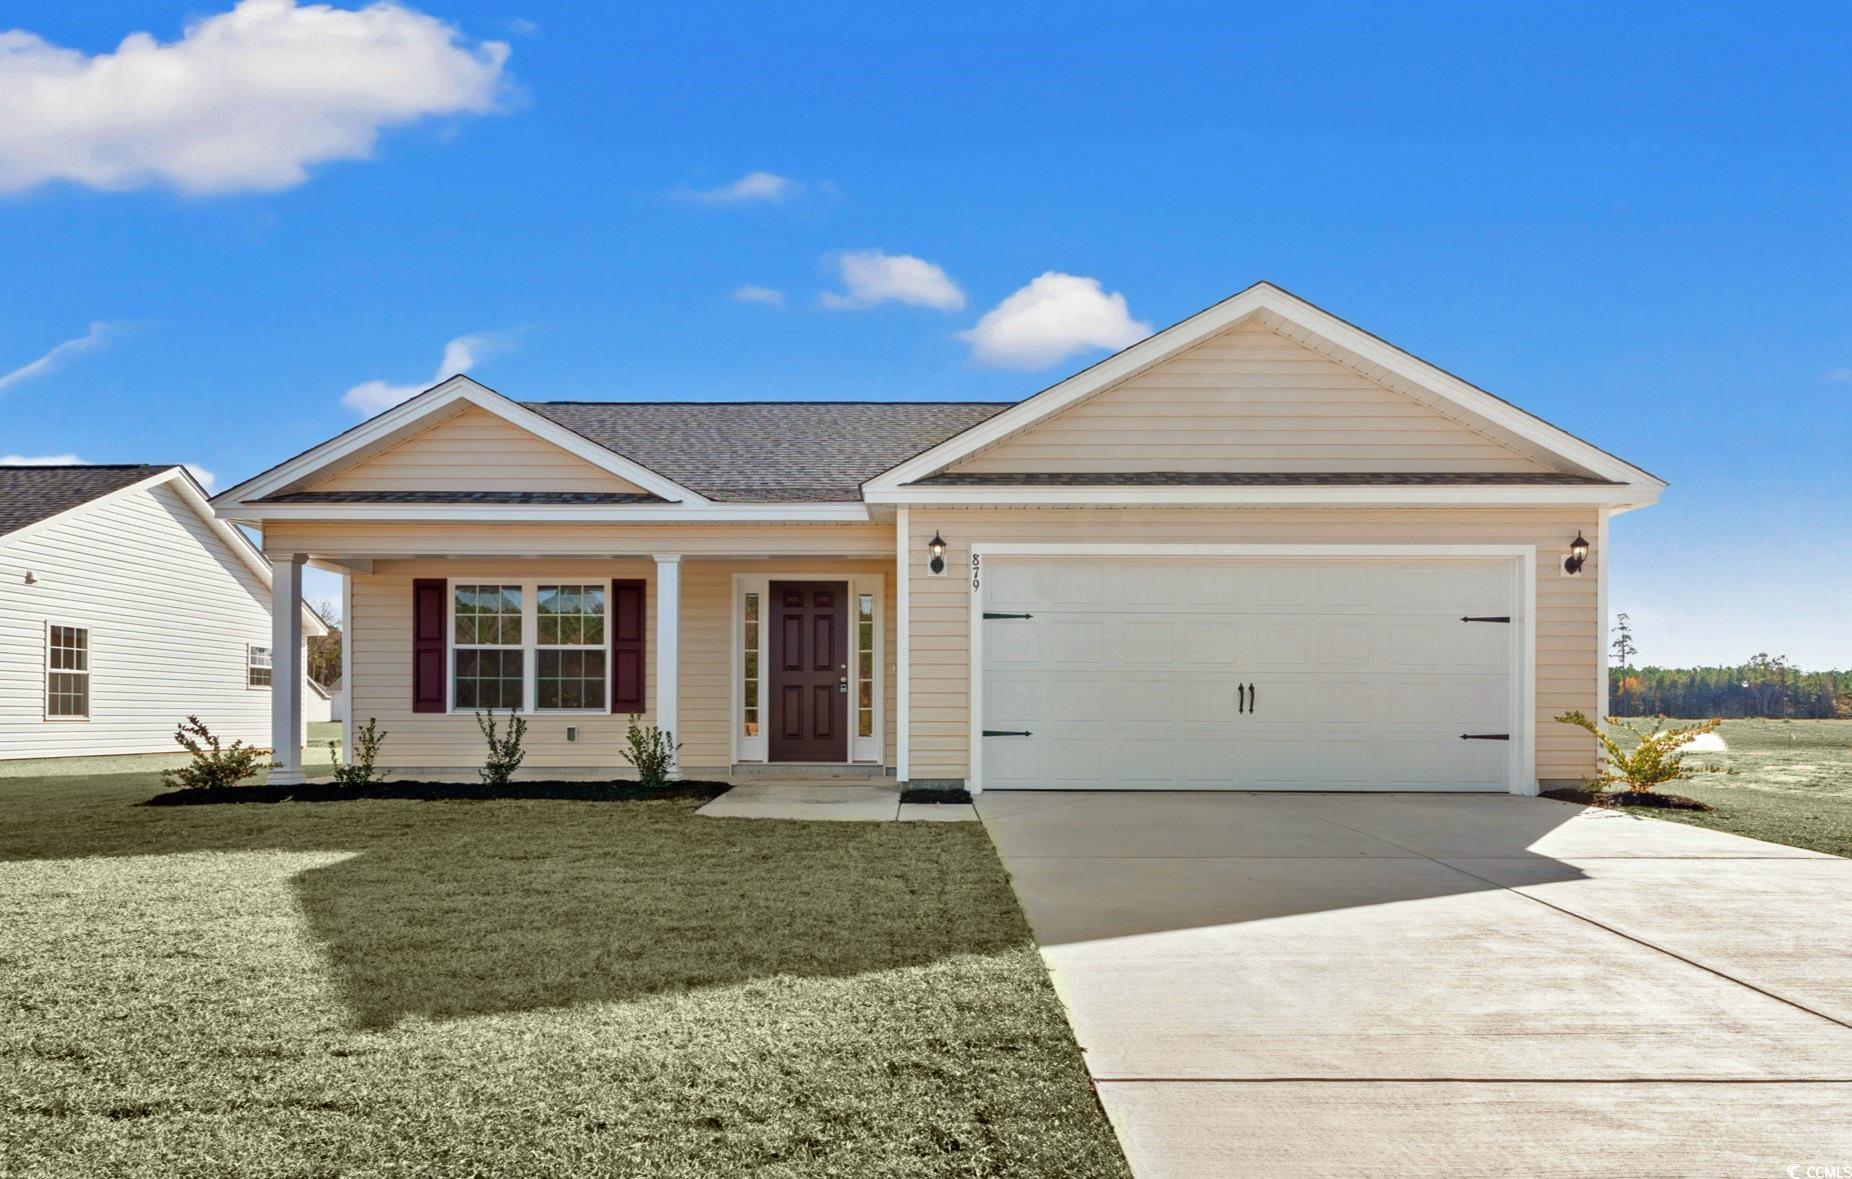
(810, 671)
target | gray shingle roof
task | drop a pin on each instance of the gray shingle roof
(784, 451)
(463, 497)
(29, 494)
(1264, 479)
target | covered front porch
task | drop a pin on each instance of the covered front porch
(759, 665)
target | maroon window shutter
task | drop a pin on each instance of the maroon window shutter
(428, 644)
(627, 645)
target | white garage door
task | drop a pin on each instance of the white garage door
(1247, 673)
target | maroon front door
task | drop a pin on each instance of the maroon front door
(810, 670)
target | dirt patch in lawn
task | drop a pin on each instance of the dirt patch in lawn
(1643, 799)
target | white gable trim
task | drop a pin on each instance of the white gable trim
(1265, 297)
(457, 390)
(195, 498)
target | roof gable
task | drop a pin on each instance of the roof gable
(1248, 399)
(1541, 446)
(32, 494)
(428, 410)
(472, 451)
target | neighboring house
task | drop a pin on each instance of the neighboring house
(125, 605)
(318, 704)
(1261, 548)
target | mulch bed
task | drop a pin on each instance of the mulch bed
(617, 791)
(935, 794)
(1647, 800)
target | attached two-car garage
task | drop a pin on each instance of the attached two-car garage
(1265, 672)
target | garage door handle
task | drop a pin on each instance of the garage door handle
(1008, 733)
(1485, 736)
(1253, 698)
(1241, 697)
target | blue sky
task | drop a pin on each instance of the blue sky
(1631, 220)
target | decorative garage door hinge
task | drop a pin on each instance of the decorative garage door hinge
(1008, 733)
(1485, 736)
(1486, 618)
(995, 614)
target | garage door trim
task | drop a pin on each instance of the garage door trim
(1522, 559)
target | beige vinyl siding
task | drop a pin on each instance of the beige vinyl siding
(170, 609)
(1248, 399)
(380, 660)
(1569, 641)
(475, 451)
(413, 539)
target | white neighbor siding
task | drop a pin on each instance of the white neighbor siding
(170, 610)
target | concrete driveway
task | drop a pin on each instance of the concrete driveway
(1404, 984)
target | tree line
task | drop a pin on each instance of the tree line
(1764, 686)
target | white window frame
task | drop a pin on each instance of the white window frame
(48, 670)
(869, 750)
(529, 645)
(251, 664)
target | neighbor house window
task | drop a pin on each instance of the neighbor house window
(569, 626)
(749, 706)
(257, 667)
(67, 672)
(865, 665)
(488, 659)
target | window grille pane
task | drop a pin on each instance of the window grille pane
(749, 702)
(569, 669)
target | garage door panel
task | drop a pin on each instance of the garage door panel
(1128, 674)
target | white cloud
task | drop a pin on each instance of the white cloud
(206, 478)
(40, 460)
(245, 100)
(1837, 376)
(1054, 317)
(874, 277)
(96, 337)
(460, 355)
(753, 293)
(752, 188)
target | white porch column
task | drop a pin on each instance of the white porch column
(669, 645)
(286, 669)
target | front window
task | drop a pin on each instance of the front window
(67, 672)
(569, 635)
(489, 658)
(257, 667)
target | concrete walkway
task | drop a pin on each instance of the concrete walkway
(1274, 984)
(830, 802)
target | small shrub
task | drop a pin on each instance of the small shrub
(652, 751)
(1655, 760)
(360, 771)
(505, 751)
(214, 764)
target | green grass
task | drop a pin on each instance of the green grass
(1788, 782)
(515, 988)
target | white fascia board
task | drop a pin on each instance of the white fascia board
(1456, 496)
(706, 513)
(1187, 333)
(434, 400)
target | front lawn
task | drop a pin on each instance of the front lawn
(1792, 784)
(516, 988)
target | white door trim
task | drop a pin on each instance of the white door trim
(862, 750)
(1522, 771)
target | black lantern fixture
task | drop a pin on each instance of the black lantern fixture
(1578, 554)
(936, 546)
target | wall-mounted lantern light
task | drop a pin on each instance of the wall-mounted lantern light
(936, 546)
(1578, 555)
